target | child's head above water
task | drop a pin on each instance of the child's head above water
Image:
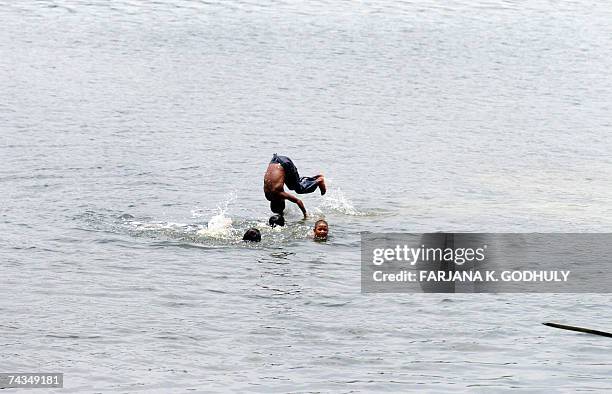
(252, 235)
(321, 228)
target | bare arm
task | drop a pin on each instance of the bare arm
(295, 200)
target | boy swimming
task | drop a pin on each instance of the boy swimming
(281, 171)
(321, 228)
(252, 235)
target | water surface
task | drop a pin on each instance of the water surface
(127, 129)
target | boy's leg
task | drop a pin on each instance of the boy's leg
(307, 184)
(301, 185)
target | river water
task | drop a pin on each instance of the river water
(134, 138)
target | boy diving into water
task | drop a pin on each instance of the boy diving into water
(281, 171)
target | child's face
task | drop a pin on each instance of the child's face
(320, 231)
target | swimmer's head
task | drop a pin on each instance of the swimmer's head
(321, 228)
(252, 235)
(277, 206)
(276, 220)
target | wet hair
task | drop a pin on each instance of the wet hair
(252, 235)
(276, 220)
(277, 206)
(321, 221)
(318, 223)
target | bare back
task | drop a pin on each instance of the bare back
(274, 181)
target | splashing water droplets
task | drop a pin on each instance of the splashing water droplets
(336, 201)
(220, 225)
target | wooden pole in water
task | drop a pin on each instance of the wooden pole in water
(579, 329)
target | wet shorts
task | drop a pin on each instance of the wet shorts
(293, 181)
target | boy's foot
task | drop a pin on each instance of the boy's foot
(322, 186)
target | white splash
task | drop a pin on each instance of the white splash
(219, 225)
(335, 201)
(198, 212)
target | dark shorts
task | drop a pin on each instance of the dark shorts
(292, 177)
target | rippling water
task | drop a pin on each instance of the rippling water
(134, 141)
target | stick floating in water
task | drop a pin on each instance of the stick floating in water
(579, 329)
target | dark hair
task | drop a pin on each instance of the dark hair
(277, 206)
(316, 237)
(252, 235)
(321, 221)
(276, 220)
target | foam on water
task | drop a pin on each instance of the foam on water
(219, 226)
(336, 201)
(222, 207)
